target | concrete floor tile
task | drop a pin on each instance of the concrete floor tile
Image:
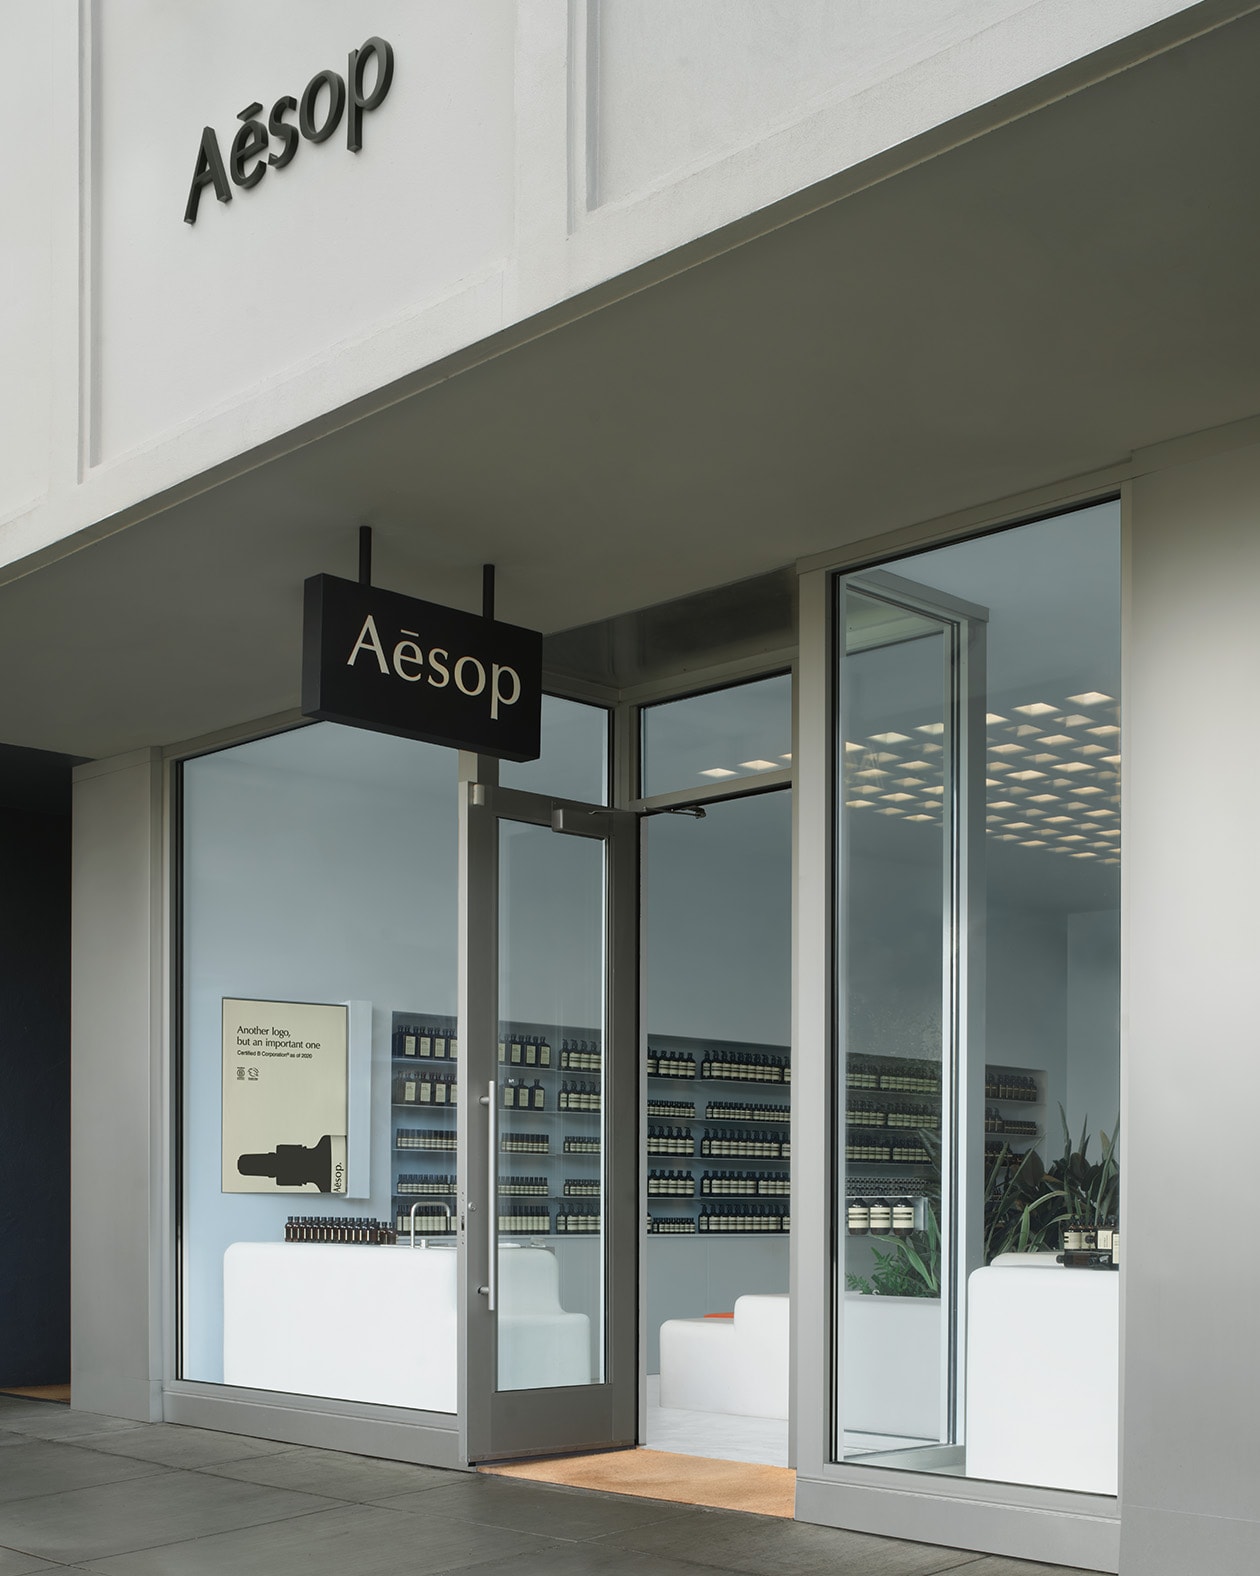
(142, 1512)
(40, 1467)
(46, 1421)
(357, 1540)
(14, 1564)
(174, 1445)
(1000, 1565)
(569, 1514)
(591, 1559)
(335, 1474)
(731, 1541)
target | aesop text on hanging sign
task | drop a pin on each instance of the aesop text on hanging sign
(376, 659)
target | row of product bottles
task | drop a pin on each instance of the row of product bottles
(525, 1218)
(671, 1184)
(994, 1122)
(891, 1113)
(525, 1050)
(338, 1228)
(413, 1039)
(905, 1077)
(430, 1222)
(671, 1226)
(670, 1064)
(425, 1138)
(744, 1217)
(579, 1094)
(734, 1184)
(524, 1187)
(520, 1096)
(670, 1141)
(578, 1218)
(582, 1187)
(425, 1086)
(581, 1146)
(746, 1067)
(1103, 1237)
(745, 1111)
(733, 1143)
(417, 1182)
(905, 1151)
(525, 1144)
(672, 1110)
(880, 1217)
(581, 1056)
(1002, 1085)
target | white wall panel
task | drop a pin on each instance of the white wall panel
(1191, 1385)
(26, 271)
(190, 318)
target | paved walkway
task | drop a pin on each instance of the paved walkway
(97, 1494)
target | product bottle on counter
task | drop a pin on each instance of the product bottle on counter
(881, 1217)
(858, 1217)
(902, 1217)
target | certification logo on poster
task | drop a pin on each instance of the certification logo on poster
(285, 1105)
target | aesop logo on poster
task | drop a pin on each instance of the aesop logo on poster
(326, 100)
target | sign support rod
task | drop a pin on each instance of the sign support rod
(365, 556)
(487, 591)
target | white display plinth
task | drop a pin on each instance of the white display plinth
(379, 1323)
(1043, 1364)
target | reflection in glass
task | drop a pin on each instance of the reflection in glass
(551, 1252)
(743, 731)
(574, 759)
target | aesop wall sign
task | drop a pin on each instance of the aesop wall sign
(375, 659)
(326, 100)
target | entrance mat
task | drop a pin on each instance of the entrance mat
(660, 1474)
(40, 1392)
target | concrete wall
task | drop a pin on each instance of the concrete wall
(526, 153)
(1191, 1384)
(118, 1127)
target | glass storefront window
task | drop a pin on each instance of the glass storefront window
(704, 741)
(318, 1081)
(978, 861)
(574, 759)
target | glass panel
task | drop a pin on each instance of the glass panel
(574, 759)
(320, 900)
(718, 968)
(1030, 1160)
(551, 1187)
(895, 933)
(704, 740)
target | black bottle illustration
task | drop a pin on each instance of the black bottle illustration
(297, 1165)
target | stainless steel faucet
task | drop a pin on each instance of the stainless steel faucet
(428, 1204)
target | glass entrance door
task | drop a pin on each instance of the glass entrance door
(550, 1189)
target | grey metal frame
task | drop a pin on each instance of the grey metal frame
(1031, 1523)
(962, 977)
(497, 1424)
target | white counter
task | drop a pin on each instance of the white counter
(379, 1323)
(1043, 1367)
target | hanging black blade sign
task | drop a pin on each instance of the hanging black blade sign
(376, 659)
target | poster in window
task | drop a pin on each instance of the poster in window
(285, 1103)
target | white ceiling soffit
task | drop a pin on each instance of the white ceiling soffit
(1029, 306)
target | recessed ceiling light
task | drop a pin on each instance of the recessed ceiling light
(1008, 749)
(1090, 749)
(920, 818)
(1074, 766)
(1025, 728)
(718, 771)
(1075, 838)
(1044, 798)
(1006, 837)
(931, 727)
(1020, 826)
(1111, 861)
(897, 798)
(1084, 855)
(1001, 804)
(850, 746)
(1075, 722)
(1057, 820)
(1109, 831)
(1089, 698)
(1044, 759)
(1057, 738)
(786, 757)
(889, 811)
(1099, 812)
(891, 738)
(858, 804)
(1038, 708)
(994, 717)
(866, 771)
(916, 766)
(1025, 776)
(1033, 842)
(1088, 788)
(939, 788)
(931, 749)
(758, 766)
(1112, 760)
(1109, 727)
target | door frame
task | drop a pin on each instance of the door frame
(496, 1424)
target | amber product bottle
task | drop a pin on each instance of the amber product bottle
(858, 1217)
(881, 1217)
(902, 1217)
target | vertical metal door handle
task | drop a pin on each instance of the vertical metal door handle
(491, 1291)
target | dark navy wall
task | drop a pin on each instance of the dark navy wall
(34, 1068)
